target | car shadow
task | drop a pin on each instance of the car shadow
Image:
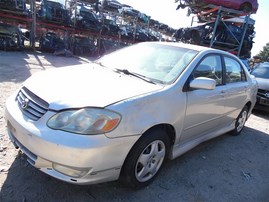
(230, 168)
(60, 61)
(13, 67)
(262, 114)
(17, 66)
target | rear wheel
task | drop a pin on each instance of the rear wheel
(240, 121)
(145, 159)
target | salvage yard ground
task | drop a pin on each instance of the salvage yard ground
(223, 169)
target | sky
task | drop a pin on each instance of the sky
(165, 12)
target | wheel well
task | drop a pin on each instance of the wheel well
(248, 105)
(247, 6)
(170, 130)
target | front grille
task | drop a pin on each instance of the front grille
(31, 105)
(263, 93)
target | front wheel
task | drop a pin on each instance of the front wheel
(240, 121)
(145, 159)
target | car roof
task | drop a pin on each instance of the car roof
(190, 46)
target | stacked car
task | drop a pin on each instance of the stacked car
(55, 12)
(17, 5)
(102, 25)
(11, 37)
(197, 6)
(225, 25)
(112, 21)
(85, 18)
(226, 36)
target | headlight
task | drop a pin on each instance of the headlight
(87, 121)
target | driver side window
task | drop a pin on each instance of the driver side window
(210, 67)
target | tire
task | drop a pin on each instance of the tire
(246, 7)
(240, 121)
(195, 38)
(145, 159)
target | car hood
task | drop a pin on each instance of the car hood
(263, 83)
(86, 85)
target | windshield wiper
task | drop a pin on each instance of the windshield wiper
(99, 63)
(127, 72)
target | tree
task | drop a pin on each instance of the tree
(264, 54)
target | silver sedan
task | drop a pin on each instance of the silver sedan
(122, 116)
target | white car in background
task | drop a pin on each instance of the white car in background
(123, 115)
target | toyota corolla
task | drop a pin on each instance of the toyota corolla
(122, 116)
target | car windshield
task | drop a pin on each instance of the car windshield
(157, 62)
(261, 71)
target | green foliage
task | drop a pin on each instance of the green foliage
(264, 54)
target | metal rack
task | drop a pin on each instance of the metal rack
(36, 26)
(221, 14)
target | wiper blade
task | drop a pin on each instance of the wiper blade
(99, 63)
(127, 72)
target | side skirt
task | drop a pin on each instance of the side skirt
(180, 149)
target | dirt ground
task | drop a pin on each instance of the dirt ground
(226, 168)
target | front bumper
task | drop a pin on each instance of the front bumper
(78, 159)
(262, 104)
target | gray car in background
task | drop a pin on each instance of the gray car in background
(261, 72)
(122, 116)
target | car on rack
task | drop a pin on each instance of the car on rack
(54, 12)
(111, 5)
(51, 42)
(83, 46)
(261, 72)
(242, 5)
(11, 37)
(14, 5)
(123, 115)
(85, 18)
(227, 36)
(110, 28)
(130, 11)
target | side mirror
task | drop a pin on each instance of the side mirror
(203, 83)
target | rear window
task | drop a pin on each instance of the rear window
(261, 71)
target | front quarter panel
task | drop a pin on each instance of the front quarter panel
(141, 113)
